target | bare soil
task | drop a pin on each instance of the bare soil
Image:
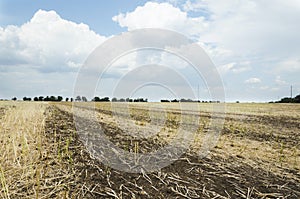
(188, 177)
(279, 129)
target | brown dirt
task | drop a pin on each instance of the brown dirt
(188, 177)
(279, 129)
(290, 125)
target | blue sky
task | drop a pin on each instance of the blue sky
(97, 14)
(254, 44)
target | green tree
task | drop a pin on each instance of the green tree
(297, 99)
(26, 99)
(52, 99)
(59, 98)
(96, 99)
(78, 98)
(114, 99)
(84, 99)
(104, 99)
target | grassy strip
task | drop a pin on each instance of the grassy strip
(28, 161)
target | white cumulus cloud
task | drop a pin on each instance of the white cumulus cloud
(161, 15)
(234, 68)
(253, 80)
(47, 42)
(240, 36)
(249, 28)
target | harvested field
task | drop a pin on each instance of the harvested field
(257, 155)
(2, 111)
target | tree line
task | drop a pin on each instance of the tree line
(188, 100)
(107, 99)
(103, 99)
(46, 99)
(289, 100)
(80, 99)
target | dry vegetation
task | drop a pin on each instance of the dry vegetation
(43, 156)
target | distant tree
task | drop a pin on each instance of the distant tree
(174, 100)
(114, 99)
(286, 100)
(122, 100)
(67, 99)
(128, 99)
(47, 99)
(14, 99)
(41, 98)
(163, 100)
(289, 100)
(52, 99)
(26, 99)
(35, 99)
(84, 99)
(78, 98)
(96, 99)
(71, 99)
(59, 98)
(297, 99)
(104, 99)
(140, 100)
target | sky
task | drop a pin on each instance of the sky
(253, 44)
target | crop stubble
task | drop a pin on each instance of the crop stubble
(216, 175)
(244, 164)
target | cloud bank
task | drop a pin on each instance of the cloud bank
(242, 37)
(245, 39)
(47, 43)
